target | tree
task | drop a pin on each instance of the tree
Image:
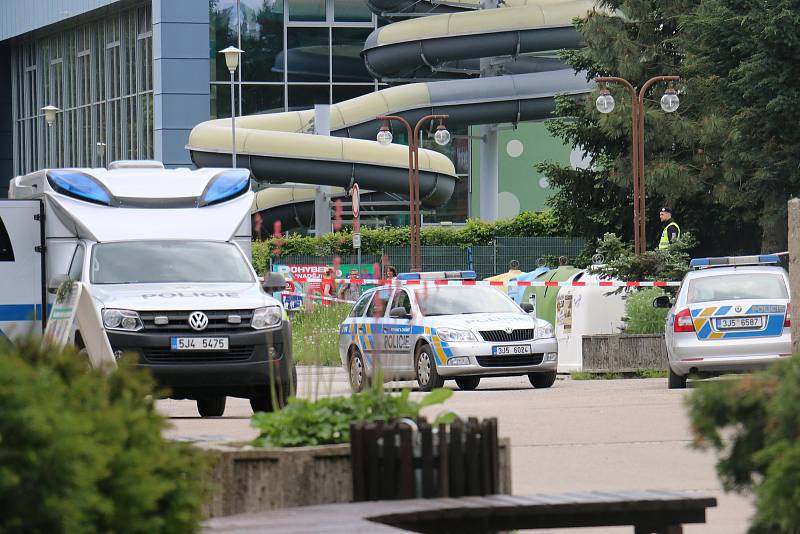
(638, 39)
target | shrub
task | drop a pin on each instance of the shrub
(752, 422)
(327, 420)
(640, 315)
(315, 334)
(619, 261)
(83, 452)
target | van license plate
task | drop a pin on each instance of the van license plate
(735, 323)
(504, 350)
(199, 343)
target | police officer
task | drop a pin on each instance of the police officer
(671, 231)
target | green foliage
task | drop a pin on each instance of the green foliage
(619, 261)
(83, 452)
(374, 240)
(640, 315)
(315, 334)
(327, 420)
(639, 373)
(684, 167)
(752, 422)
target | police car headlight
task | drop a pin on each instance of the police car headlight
(127, 320)
(451, 334)
(266, 317)
(543, 331)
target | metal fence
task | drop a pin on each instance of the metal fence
(487, 260)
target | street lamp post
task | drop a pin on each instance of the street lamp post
(232, 55)
(50, 117)
(605, 104)
(441, 137)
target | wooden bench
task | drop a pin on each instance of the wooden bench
(661, 512)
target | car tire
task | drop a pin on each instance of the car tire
(357, 372)
(211, 406)
(674, 380)
(542, 380)
(263, 403)
(425, 368)
(468, 383)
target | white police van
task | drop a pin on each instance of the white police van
(165, 256)
(426, 330)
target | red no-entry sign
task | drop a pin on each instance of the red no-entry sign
(356, 194)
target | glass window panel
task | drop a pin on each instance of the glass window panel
(307, 54)
(307, 10)
(351, 11)
(346, 92)
(305, 96)
(262, 41)
(348, 66)
(255, 99)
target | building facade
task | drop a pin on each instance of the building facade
(132, 77)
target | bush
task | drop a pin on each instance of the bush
(83, 452)
(752, 422)
(315, 334)
(619, 261)
(640, 315)
(327, 420)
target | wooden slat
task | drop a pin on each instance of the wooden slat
(494, 478)
(371, 432)
(426, 435)
(457, 478)
(485, 460)
(406, 457)
(358, 461)
(444, 462)
(471, 457)
(389, 462)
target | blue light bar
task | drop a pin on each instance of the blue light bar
(225, 186)
(727, 261)
(79, 185)
(439, 275)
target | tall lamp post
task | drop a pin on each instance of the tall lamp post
(442, 137)
(50, 117)
(605, 104)
(232, 55)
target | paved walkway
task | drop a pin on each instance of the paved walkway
(577, 436)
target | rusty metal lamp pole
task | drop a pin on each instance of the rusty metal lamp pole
(441, 137)
(605, 104)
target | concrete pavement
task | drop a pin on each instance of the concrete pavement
(578, 435)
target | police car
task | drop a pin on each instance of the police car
(731, 314)
(428, 331)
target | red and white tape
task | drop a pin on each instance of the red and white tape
(514, 283)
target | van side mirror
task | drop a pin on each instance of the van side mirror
(55, 282)
(527, 307)
(399, 313)
(274, 282)
(662, 302)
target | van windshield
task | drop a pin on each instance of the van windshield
(145, 262)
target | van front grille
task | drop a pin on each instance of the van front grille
(178, 321)
(165, 355)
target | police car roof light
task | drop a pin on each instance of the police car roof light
(439, 275)
(79, 185)
(727, 261)
(225, 186)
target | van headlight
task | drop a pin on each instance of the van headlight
(127, 320)
(543, 331)
(451, 334)
(266, 317)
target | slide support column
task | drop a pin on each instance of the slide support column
(322, 212)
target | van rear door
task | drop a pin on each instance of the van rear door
(22, 288)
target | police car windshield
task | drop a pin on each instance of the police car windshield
(142, 262)
(735, 287)
(462, 300)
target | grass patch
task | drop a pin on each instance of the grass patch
(315, 334)
(639, 373)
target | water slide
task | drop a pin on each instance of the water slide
(282, 148)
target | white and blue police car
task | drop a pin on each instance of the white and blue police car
(731, 314)
(423, 329)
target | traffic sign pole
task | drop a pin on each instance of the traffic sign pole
(356, 195)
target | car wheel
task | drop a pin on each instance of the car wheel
(675, 381)
(263, 403)
(358, 372)
(542, 380)
(211, 406)
(468, 383)
(427, 376)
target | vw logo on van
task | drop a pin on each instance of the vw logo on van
(198, 321)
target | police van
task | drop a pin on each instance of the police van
(165, 255)
(424, 329)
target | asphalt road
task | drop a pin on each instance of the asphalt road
(578, 435)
